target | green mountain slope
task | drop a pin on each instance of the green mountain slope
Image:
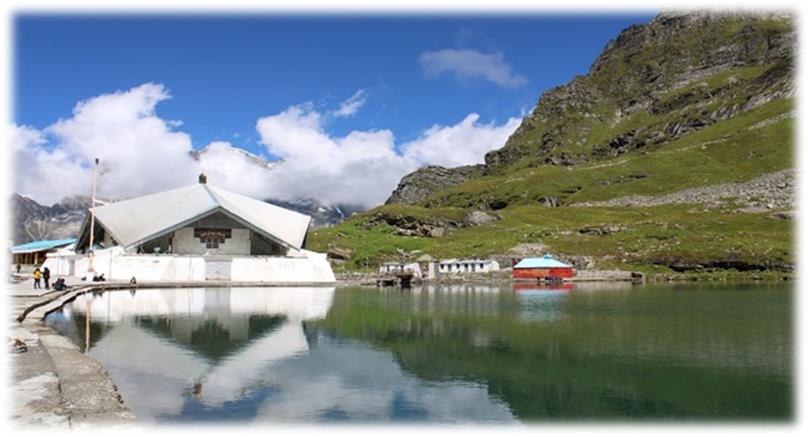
(695, 112)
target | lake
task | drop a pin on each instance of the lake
(487, 353)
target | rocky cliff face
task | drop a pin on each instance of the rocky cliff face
(321, 215)
(418, 185)
(653, 84)
(32, 221)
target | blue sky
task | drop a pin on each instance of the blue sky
(224, 72)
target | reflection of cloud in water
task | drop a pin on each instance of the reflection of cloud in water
(275, 375)
(150, 372)
(362, 383)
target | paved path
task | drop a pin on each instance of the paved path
(53, 383)
(23, 286)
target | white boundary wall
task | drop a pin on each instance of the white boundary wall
(305, 268)
(309, 267)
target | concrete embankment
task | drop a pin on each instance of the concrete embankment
(54, 384)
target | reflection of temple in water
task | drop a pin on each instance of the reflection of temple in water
(205, 353)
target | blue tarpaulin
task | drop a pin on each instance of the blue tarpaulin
(38, 246)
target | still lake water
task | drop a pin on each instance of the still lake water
(457, 353)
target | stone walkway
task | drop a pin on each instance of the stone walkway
(53, 384)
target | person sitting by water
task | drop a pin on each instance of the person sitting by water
(99, 278)
(37, 278)
(59, 285)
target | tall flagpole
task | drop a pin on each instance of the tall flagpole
(92, 218)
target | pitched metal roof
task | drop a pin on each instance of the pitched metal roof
(135, 221)
(545, 262)
(37, 246)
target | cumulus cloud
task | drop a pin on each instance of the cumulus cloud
(464, 143)
(349, 169)
(142, 153)
(43, 174)
(236, 170)
(364, 167)
(139, 151)
(351, 106)
(468, 64)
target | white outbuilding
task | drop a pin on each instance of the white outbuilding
(194, 233)
(457, 266)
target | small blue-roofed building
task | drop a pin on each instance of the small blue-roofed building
(542, 268)
(35, 252)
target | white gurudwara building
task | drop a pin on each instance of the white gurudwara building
(195, 233)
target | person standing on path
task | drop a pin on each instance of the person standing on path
(37, 278)
(46, 277)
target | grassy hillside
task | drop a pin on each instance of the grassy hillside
(728, 151)
(683, 102)
(651, 239)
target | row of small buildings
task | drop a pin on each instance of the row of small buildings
(532, 268)
(202, 233)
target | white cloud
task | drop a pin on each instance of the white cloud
(232, 169)
(350, 106)
(42, 174)
(470, 64)
(464, 143)
(364, 167)
(142, 153)
(139, 151)
(359, 168)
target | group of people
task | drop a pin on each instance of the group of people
(39, 275)
(44, 274)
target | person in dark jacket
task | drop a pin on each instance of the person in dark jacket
(59, 285)
(46, 277)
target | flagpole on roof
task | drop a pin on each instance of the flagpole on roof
(92, 217)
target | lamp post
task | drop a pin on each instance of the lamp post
(92, 217)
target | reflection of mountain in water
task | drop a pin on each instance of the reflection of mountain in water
(457, 353)
(592, 352)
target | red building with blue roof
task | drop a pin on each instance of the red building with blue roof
(542, 268)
